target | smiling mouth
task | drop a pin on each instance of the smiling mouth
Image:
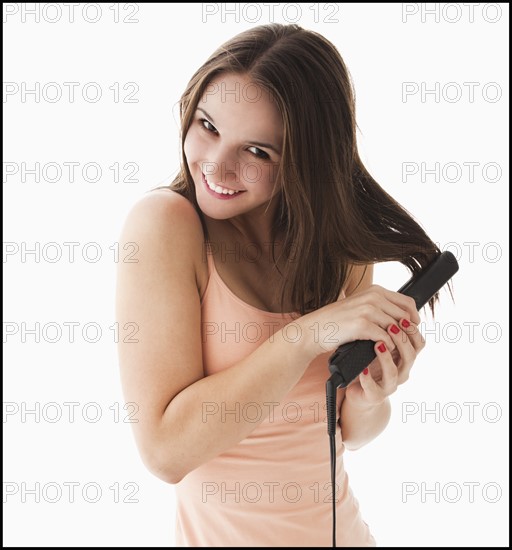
(220, 190)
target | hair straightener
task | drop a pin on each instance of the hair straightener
(350, 359)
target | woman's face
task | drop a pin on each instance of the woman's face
(234, 144)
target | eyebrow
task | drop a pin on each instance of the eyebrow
(258, 143)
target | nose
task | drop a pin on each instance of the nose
(222, 166)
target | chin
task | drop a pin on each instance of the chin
(213, 211)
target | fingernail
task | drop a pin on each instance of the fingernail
(365, 371)
(394, 329)
(382, 348)
(405, 323)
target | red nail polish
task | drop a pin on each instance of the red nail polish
(405, 323)
(394, 329)
(382, 347)
(365, 371)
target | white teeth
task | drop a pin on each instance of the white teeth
(220, 190)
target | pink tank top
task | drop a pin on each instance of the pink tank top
(273, 488)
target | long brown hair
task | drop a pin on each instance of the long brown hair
(332, 212)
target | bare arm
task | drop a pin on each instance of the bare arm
(163, 372)
(359, 426)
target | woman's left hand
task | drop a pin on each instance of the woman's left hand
(389, 369)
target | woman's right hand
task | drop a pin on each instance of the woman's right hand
(363, 316)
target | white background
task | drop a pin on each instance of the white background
(383, 46)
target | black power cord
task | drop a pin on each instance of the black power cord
(331, 387)
(349, 360)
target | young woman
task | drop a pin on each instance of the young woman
(254, 265)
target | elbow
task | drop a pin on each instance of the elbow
(352, 447)
(170, 478)
(164, 469)
(165, 474)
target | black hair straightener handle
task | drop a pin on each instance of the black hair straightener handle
(350, 359)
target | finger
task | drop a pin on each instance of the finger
(373, 392)
(382, 312)
(389, 379)
(413, 332)
(404, 345)
(406, 351)
(406, 303)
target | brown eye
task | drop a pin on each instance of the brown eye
(207, 125)
(259, 153)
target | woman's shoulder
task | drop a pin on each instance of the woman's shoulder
(169, 206)
(166, 195)
(168, 216)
